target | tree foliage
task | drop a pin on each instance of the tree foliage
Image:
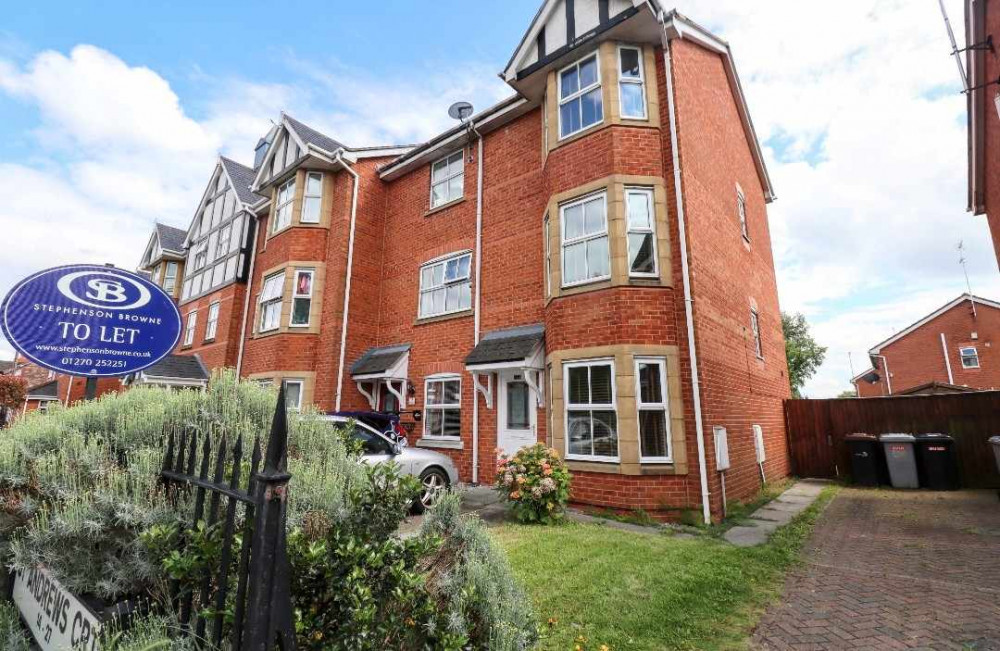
(804, 354)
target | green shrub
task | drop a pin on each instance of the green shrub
(473, 579)
(535, 481)
(12, 636)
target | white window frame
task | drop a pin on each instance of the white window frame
(629, 229)
(962, 356)
(592, 407)
(603, 194)
(279, 225)
(168, 278)
(264, 304)
(663, 405)
(758, 343)
(316, 197)
(639, 81)
(302, 388)
(295, 295)
(443, 260)
(212, 324)
(446, 182)
(741, 212)
(222, 243)
(190, 325)
(442, 377)
(580, 92)
(546, 225)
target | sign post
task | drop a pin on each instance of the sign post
(91, 321)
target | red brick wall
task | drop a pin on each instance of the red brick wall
(918, 357)
(224, 348)
(739, 390)
(992, 126)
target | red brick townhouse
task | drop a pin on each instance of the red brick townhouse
(587, 263)
(982, 66)
(949, 350)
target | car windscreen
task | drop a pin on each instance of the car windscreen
(371, 443)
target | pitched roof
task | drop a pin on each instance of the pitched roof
(171, 239)
(43, 391)
(379, 360)
(6, 365)
(510, 345)
(242, 178)
(930, 317)
(311, 136)
(181, 367)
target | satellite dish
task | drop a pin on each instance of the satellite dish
(460, 111)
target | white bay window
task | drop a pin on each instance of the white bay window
(312, 199)
(270, 302)
(631, 83)
(302, 298)
(283, 206)
(581, 104)
(591, 410)
(651, 402)
(585, 255)
(641, 232)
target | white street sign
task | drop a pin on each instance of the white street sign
(58, 620)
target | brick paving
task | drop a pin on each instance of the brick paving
(894, 570)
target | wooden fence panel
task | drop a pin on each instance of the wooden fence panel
(816, 430)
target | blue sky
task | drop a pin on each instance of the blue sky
(111, 115)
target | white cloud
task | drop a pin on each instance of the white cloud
(859, 103)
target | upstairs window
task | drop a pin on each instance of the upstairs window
(212, 325)
(222, 244)
(970, 357)
(312, 199)
(741, 211)
(548, 257)
(170, 277)
(631, 83)
(270, 302)
(580, 102)
(302, 298)
(758, 349)
(448, 179)
(585, 256)
(641, 232)
(591, 415)
(442, 407)
(192, 321)
(445, 286)
(200, 256)
(283, 207)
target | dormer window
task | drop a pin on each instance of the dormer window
(448, 179)
(631, 83)
(283, 207)
(580, 102)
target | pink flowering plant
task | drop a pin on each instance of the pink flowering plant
(535, 482)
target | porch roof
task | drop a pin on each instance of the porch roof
(513, 346)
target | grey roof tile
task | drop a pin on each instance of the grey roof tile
(379, 360)
(184, 367)
(242, 177)
(171, 239)
(47, 390)
(310, 135)
(510, 345)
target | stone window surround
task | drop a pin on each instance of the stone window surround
(608, 63)
(326, 204)
(615, 186)
(308, 379)
(624, 356)
(315, 309)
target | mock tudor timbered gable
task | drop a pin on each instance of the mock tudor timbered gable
(163, 258)
(220, 237)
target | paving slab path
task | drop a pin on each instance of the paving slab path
(894, 570)
(765, 520)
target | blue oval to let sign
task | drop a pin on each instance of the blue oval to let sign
(90, 320)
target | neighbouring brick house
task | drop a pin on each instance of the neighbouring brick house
(587, 263)
(947, 351)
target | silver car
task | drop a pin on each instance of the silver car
(436, 471)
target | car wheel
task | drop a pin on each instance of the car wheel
(432, 482)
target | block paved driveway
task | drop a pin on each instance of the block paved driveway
(894, 570)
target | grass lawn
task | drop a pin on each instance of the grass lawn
(600, 586)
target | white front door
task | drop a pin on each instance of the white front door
(517, 415)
